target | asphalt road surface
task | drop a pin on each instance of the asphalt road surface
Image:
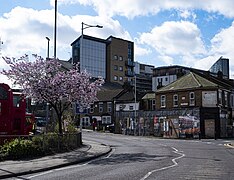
(148, 158)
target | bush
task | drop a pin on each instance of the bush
(20, 148)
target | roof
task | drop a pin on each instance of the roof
(189, 81)
(149, 96)
(108, 95)
(90, 38)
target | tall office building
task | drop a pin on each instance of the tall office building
(111, 58)
(120, 60)
(90, 52)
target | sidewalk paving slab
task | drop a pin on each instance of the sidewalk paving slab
(90, 150)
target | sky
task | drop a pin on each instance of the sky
(192, 33)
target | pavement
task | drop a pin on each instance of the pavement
(89, 151)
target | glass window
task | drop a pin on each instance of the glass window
(109, 106)
(153, 104)
(220, 97)
(115, 67)
(226, 98)
(115, 57)
(116, 78)
(175, 100)
(120, 78)
(100, 106)
(163, 101)
(121, 58)
(121, 68)
(191, 99)
(3, 94)
(91, 109)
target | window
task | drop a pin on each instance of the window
(120, 78)
(116, 78)
(220, 97)
(153, 104)
(175, 100)
(91, 109)
(101, 107)
(109, 106)
(115, 67)
(191, 99)
(226, 99)
(163, 101)
(121, 58)
(232, 101)
(106, 119)
(115, 57)
(121, 68)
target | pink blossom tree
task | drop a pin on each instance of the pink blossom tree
(45, 81)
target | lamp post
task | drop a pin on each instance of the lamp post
(48, 48)
(135, 96)
(55, 28)
(85, 26)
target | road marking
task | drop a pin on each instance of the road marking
(166, 167)
(41, 174)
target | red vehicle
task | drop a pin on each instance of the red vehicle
(13, 117)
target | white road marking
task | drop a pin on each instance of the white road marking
(166, 167)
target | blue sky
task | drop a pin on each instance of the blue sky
(165, 32)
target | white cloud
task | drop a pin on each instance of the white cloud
(175, 38)
(132, 8)
(24, 30)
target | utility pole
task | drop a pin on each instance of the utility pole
(55, 28)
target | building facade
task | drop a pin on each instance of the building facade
(90, 53)
(194, 105)
(111, 58)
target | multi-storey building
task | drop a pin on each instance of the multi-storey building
(165, 75)
(111, 58)
(90, 53)
(221, 65)
(144, 75)
(120, 60)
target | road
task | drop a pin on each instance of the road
(148, 158)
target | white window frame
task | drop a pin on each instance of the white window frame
(192, 99)
(109, 106)
(100, 105)
(175, 100)
(163, 101)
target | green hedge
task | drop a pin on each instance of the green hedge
(20, 148)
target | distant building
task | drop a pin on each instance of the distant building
(144, 74)
(221, 66)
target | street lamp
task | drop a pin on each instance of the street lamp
(85, 26)
(55, 28)
(48, 48)
(88, 26)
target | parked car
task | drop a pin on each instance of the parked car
(111, 128)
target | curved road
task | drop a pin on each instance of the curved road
(148, 158)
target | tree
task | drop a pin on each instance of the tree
(45, 81)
